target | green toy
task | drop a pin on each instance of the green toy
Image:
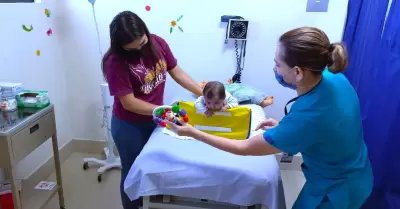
(175, 109)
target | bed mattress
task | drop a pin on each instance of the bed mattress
(189, 168)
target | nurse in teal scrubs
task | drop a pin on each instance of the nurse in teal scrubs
(323, 124)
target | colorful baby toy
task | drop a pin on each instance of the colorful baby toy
(165, 113)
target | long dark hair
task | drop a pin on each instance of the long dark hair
(125, 28)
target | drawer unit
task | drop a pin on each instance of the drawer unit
(4, 157)
(22, 132)
(32, 136)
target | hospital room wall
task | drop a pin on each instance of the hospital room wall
(200, 48)
(19, 63)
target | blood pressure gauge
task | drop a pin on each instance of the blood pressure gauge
(237, 29)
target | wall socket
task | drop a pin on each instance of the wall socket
(286, 158)
(317, 5)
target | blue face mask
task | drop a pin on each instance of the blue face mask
(280, 80)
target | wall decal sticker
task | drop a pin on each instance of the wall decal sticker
(174, 23)
(49, 32)
(148, 8)
(47, 12)
(27, 29)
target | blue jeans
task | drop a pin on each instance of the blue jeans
(129, 139)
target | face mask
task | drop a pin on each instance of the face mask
(280, 80)
(134, 52)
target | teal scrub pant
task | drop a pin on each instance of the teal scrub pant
(312, 203)
(325, 204)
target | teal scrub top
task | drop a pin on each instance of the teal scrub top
(325, 126)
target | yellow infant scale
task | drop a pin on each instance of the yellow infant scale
(235, 123)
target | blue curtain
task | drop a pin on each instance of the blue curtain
(374, 71)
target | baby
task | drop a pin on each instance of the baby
(215, 98)
(245, 94)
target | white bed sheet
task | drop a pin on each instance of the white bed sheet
(189, 168)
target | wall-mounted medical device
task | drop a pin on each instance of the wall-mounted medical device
(236, 30)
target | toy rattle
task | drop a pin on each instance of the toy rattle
(165, 113)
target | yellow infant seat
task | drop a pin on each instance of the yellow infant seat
(235, 123)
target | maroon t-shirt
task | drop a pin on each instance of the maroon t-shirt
(140, 77)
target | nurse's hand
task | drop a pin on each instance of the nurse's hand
(267, 124)
(182, 130)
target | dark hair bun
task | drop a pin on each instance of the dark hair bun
(339, 58)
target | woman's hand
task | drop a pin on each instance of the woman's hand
(267, 124)
(182, 130)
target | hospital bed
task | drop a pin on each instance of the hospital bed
(172, 173)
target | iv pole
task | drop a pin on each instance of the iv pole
(111, 161)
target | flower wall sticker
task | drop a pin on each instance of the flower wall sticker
(174, 23)
(47, 12)
(49, 32)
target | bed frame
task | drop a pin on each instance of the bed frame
(173, 202)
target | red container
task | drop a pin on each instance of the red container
(6, 198)
(6, 201)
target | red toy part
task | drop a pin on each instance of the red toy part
(185, 119)
(163, 124)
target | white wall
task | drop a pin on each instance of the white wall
(19, 63)
(200, 50)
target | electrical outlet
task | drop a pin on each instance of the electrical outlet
(286, 158)
(317, 6)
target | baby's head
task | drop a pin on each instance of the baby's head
(214, 95)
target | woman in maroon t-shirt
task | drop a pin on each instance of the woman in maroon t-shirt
(135, 68)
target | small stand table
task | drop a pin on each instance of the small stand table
(21, 132)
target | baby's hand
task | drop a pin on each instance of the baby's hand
(225, 107)
(209, 113)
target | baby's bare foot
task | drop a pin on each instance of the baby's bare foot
(267, 101)
(229, 81)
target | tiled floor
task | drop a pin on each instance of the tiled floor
(82, 191)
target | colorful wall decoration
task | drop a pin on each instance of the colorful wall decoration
(47, 12)
(27, 29)
(148, 8)
(174, 23)
(49, 32)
